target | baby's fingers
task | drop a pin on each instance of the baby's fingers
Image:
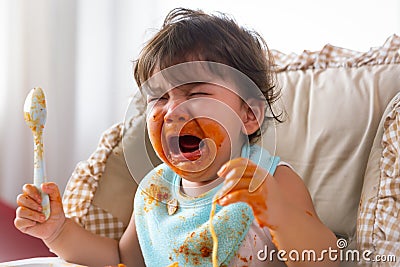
(55, 197)
(24, 200)
(32, 215)
(31, 191)
(53, 191)
(23, 224)
(234, 197)
(240, 164)
(234, 183)
(255, 201)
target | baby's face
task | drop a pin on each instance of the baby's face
(196, 128)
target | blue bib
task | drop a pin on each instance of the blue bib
(182, 235)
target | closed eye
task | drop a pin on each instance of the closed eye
(199, 94)
(154, 99)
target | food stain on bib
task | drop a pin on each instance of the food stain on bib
(195, 247)
(153, 195)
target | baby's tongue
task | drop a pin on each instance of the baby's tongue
(189, 143)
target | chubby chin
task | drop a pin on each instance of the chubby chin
(206, 175)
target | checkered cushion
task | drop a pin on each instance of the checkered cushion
(379, 213)
(81, 188)
(335, 57)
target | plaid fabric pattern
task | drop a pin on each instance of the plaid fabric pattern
(80, 190)
(335, 57)
(379, 218)
(102, 223)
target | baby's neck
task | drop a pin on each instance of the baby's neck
(195, 189)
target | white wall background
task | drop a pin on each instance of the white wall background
(80, 52)
(295, 25)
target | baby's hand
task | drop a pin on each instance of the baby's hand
(247, 182)
(29, 217)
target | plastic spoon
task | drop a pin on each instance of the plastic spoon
(35, 114)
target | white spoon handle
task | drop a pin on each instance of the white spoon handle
(39, 174)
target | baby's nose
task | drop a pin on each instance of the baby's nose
(176, 117)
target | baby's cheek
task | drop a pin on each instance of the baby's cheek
(154, 129)
(214, 131)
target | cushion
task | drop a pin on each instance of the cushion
(99, 195)
(334, 100)
(378, 228)
(89, 179)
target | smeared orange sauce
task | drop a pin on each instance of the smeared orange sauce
(212, 130)
(40, 99)
(58, 199)
(153, 195)
(37, 134)
(202, 127)
(214, 235)
(38, 145)
(309, 213)
(195, 247)
(243, 259)
(160, 172)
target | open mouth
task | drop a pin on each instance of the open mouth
(185, 147)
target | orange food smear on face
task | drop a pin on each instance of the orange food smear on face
(205, 128)
(155, 138)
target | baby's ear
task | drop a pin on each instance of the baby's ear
(254, 115)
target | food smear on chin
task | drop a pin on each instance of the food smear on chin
(190, 152)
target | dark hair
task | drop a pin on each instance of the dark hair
(188, 34)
